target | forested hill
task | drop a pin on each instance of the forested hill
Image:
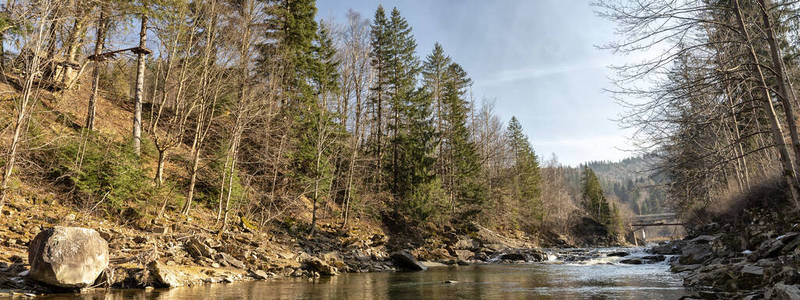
(631, 181)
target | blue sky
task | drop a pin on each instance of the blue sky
(536, 58)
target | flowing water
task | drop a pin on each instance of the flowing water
(594, 276)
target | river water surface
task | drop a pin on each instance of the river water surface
(596, 278)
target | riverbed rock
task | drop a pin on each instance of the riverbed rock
(164, 275)
(695, 254)
(467, 244)
(404, 261)
(783, 292)
(71, 257)
(632, 261)
(513, 256)
(198, 248)
(668, 248)
(229, 260)
(654, 258)
(618, 254)
(768, 249)
(317, 265)
(684, 268)
(750, 276)
(464, 254)
(260, 274)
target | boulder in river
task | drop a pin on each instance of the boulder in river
(618, 254)
(513, 256)
(70, 257)
(632, 261)
(406, 262)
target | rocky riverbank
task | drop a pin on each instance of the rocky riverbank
(180, 253)
(755, 259)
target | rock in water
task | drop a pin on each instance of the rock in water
(406, 262)
(70, 257)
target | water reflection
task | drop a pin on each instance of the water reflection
(535, 281)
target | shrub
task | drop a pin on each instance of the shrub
(103, 170)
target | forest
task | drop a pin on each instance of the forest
(257, 113)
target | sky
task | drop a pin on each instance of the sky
(536, 59)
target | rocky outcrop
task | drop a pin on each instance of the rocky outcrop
(754, 261)
(70, 257)
(403, 260)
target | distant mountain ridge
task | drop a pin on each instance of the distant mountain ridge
(632, 181)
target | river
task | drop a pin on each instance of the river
(595, 276)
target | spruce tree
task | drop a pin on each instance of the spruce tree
(594, 200)
(461, 158)
(379, 60)
(526, 172)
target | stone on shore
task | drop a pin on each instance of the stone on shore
(321, 267)
(70, 257)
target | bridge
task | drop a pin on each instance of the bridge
(665, 219)
(640, 223)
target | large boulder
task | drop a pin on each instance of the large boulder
(406, 262)
(70, 257)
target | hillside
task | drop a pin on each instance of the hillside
(632, 181)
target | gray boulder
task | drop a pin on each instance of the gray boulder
(70, 257)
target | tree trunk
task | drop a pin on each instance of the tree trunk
(159, 178)
(783, 91)
(789, 172)
(98, 49)
(137, 99)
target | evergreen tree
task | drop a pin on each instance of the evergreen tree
(461, 156)
(380, 41)
(434, 72)
(594, 199)
(526, 177)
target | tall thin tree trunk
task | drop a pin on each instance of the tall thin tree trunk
(137, 99)
(789, 172)
(98, 49)
(786, 97)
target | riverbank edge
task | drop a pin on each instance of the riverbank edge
(157, 274)
(177, 252)
(758, 259)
